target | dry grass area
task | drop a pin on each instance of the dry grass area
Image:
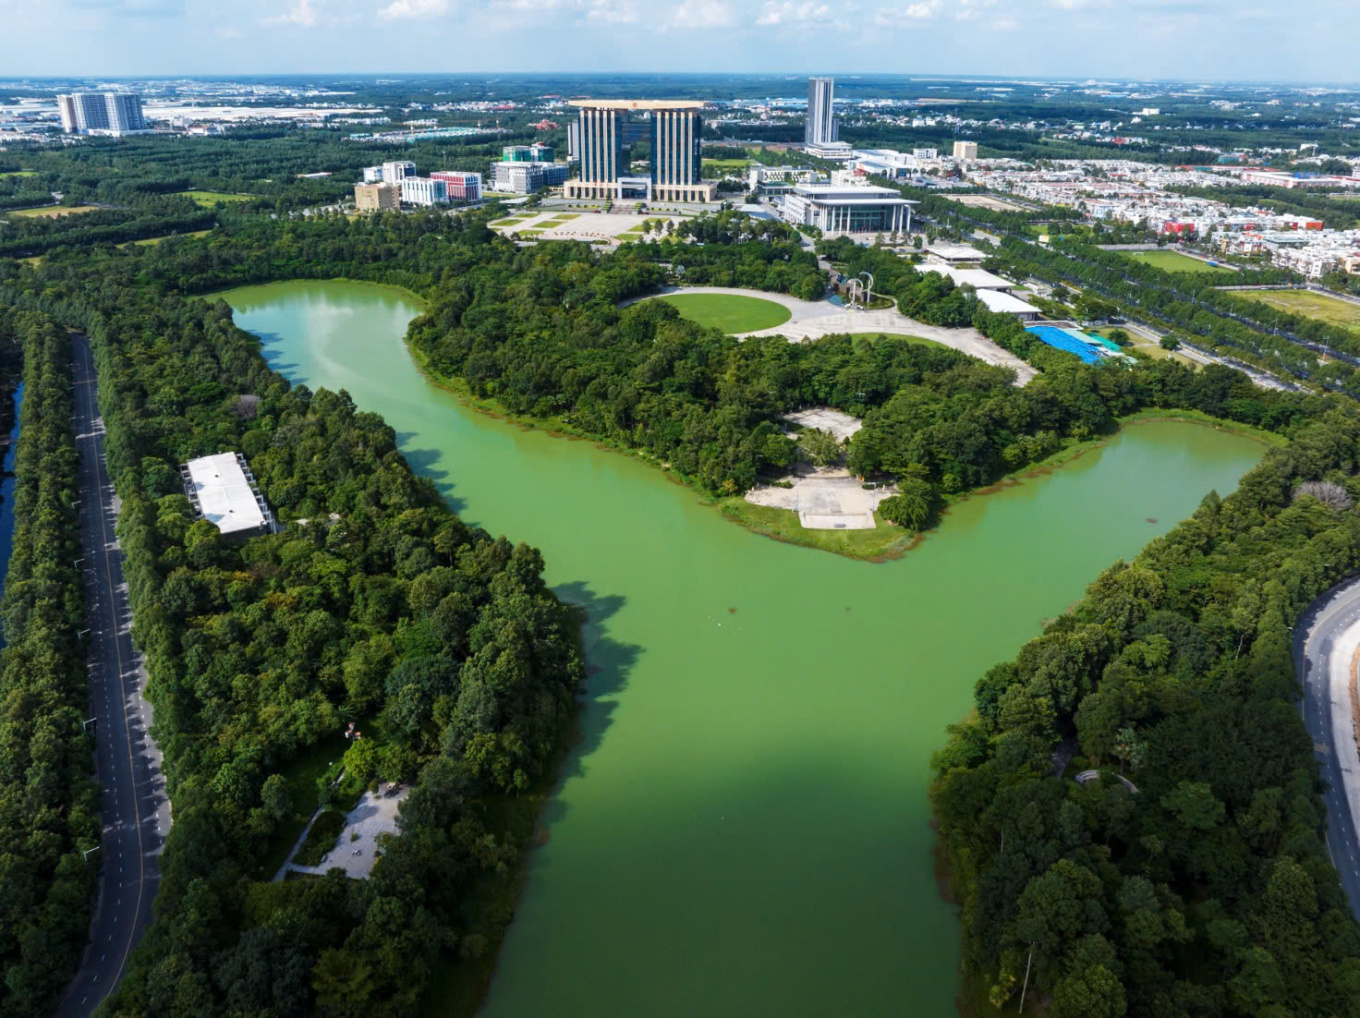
(985, 201)
(1331, 310)
(54, 211)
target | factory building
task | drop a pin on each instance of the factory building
(377, 197)
(222, 491)
(675, 130)
(834, 209)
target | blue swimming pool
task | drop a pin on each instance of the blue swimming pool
(1060, 339)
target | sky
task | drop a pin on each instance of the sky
(1196, 39)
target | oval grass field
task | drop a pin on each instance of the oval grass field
(729, 312)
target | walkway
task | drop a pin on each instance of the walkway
(136, 811)
(1326, 644)
(814, 319)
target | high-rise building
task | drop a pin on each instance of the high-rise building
(965, 150)
(395, 173)
(113, 113)
(675, 132)
(821, 127)
(461, 186)
(377, 197)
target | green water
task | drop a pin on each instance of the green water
(745, 830)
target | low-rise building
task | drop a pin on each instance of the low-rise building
(855, 209)
(222, 490)
(461, 186)
(1005, 303)
(836, 151)
(526, 178)
(396, 172)
(377, 197)
(424, 191)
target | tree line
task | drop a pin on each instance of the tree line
(49, 803)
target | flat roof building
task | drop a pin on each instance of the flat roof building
(1004, 303)
(377, 197)
(856, 209)
(526, 178)
(222, 490)
(965, 150)
(978, 279)
(396, 172)
(461, 186)
(424, 191)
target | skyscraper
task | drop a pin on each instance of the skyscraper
(675, 131)
(111, 112)
(821, 127)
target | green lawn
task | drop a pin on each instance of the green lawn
(210, 198)
(885, 541)
(19, 173)
(729, 312)
(1308, 304)
(1156, 351)
(1172, 261)
(54, 211)
(718, 167)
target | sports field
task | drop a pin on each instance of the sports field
(210, 198)
(729, 312)
(1172, 261)
(1309, 304)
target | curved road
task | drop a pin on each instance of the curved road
(136, 811)
(1326, 640)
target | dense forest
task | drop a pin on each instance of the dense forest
(1190, 879)
(49, 803)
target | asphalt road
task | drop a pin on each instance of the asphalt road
(1324, 674)
(136, 811)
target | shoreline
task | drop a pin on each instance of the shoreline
(887, 542)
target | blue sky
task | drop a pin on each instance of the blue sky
(1237, 39)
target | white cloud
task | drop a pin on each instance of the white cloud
(413, 9)
(971, 10)
(613, 12)
(903, 17)
(700, 14)
(789, 12)
(302, 14)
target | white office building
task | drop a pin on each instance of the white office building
(373, 175)
(424, 191)
(835, 209)
(821, 127)
(101, 113)
(395, 173)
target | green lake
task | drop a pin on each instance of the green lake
(744, 830)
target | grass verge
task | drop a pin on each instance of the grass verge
(1307, 304)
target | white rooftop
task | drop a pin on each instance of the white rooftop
(842, 193)
(955, 252)
(225, 497)
(995, 300)
(979, 279)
